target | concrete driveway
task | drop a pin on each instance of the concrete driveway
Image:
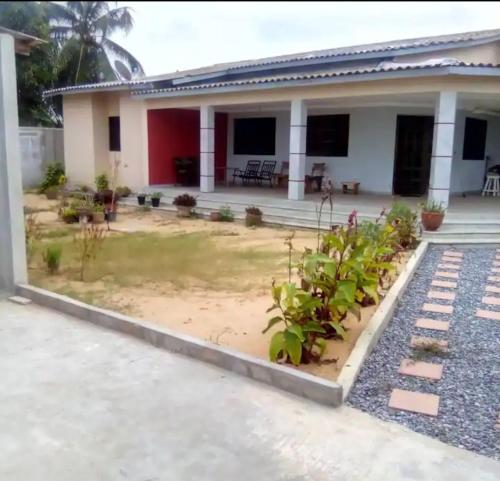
(80, 403)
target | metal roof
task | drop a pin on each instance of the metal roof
(184, 80)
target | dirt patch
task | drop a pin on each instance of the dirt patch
(181, 286)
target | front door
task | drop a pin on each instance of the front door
(413, 154)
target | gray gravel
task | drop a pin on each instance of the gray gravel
(470, 387)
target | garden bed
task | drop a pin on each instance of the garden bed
(210, 280)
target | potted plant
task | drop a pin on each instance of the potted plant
(215, 216)
(98, 214)
(184, 204)
(225, 214)
(110, 212)
(69, 215)
(141, 199)
(123, 191)
(432, 215)
(85, 207)
(253, 217)
(155, 199)
(52, 192)
(101, 182)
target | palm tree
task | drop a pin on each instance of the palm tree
(82, 30)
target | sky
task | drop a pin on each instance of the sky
(170, 36)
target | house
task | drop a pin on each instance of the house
(408, 117)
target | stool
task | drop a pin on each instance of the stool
(492, 185)
(350, 187)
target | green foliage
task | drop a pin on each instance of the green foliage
(225, 214)
(343, 275)
(102, 182)
(51, 177)
(52, 258)
(185, 200)
(252, 210)
(69, 215)
(433, 206)
(404, 220)
(88, 242)
(156, 195)
(123, 191)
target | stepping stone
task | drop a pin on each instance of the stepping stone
(415, 402)
(493, 289)
(453, 254)
(422, 342)
(488, 314)
(439, 308)
(23, 301)
(491, 300)
(494, 278)
(496, 263)
(425, 323)
(497, 257)
(448, 266)
(448, 284)
(496, 270)
(429, 370)
(456, 260)
(449, 275)
(446, 296)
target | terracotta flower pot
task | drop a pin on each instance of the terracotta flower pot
(432, 220)
(215, 216)
(252, 220)
(98, 217)
(184, 211)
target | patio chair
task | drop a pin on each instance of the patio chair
(316, 177)
(251, 172)
(281, 179)
(267, 172)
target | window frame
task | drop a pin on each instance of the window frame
(114, 137)
(244, 146)
(338, 147)
(472, 124)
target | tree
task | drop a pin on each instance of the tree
(36, 72)
(82, 32)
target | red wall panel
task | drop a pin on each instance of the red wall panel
(171, 133)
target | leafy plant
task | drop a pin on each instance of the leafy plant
(157, 195)
(51, 176)
(123, 191)
(185, 200)
(404, 220)
(102, 182)
(33, 233)
(225, 214)
(433, 206)
(52, 258)
(88, 242)
(252, 210)
(69, 215)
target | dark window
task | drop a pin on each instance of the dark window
(255, 136)
(114, 134)
(474, 138)
(327, 135)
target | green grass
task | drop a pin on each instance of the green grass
(183, 260)
(58, 233)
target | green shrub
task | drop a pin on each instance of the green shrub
(404, 220)
(51, 177)
(52, 258)
(252, 210)
(433, 206)
(185, 200)
(225, 214)
(102, 182)
(123, 191)
(69, 215)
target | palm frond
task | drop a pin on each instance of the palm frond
(116, 19)
(60, 13)
(112, 47)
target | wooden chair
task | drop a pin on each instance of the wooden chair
(251, 172)
(267, 172)
(316, 177)
(281, 179)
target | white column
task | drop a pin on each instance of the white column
(207, 130)
(298, 131)
(12, 243)
(442, 147)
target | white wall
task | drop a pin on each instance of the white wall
(468, 175)
(372, 137)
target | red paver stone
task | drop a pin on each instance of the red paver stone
(488, 314)
(492, 301)
(456, 260)
(447, 284)
(425, 323)
(494, 278)
(439, 308)
(449, 266)
(416, 402)
(445, 296)
(493, 289)
(429, 370)
(422, 341)
(496, 270)
(497, 257)
(449, 275)
(496, 263)
(453, 254)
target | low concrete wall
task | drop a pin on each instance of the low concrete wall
(282, 377)
(39, 147)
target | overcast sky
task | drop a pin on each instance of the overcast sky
(171, 36)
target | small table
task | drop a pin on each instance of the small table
(350, 188)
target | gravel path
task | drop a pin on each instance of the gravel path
(470, 387)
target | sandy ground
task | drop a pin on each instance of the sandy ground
(231, 319)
